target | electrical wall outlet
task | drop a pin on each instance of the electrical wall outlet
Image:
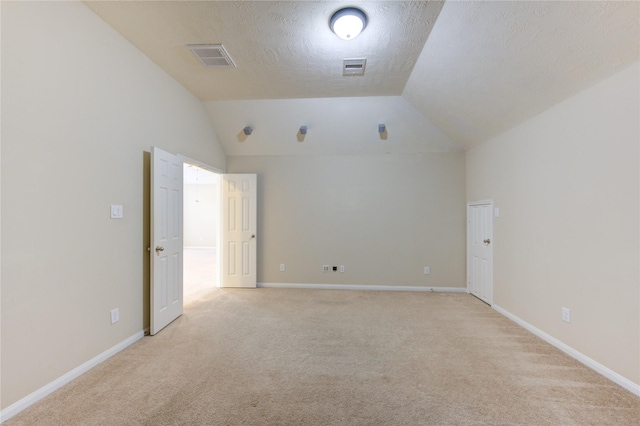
(566, 315)
(117, 212)
(341, 268)
(326, 268)
(335, 268)
(282, 267)
(115, 315)
(427, 270)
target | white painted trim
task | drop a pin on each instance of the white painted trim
(36, 396)
(479, 203)
(594, 365)
(200, 164)
(364, 287)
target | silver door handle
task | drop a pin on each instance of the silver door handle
(487, 241)
(159, 249)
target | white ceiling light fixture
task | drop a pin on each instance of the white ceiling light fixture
(347, 23)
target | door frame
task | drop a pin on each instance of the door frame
(469, 205)
(220, 172)
(200, 164)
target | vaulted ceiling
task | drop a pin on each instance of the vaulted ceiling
(441, 75)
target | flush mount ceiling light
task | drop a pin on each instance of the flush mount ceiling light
(347, 23)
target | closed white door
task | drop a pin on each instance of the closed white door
(480, 250)
(239, 196)
(166, 239)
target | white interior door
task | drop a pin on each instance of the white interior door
(166, 238)
(239, 196)
(480, 250)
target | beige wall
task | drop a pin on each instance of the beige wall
(80, 108)
(567, 185)
(80, 114)
(384, 217)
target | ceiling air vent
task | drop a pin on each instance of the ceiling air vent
(353, 66)
(212, 55)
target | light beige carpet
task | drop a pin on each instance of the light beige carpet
(325, 357)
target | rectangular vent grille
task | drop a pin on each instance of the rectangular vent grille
(212, 55)
(353, 66)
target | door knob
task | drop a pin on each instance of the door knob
(159, 249)
(487, 241)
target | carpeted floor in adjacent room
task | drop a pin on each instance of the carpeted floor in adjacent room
(338, 357)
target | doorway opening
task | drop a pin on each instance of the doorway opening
(201, 236)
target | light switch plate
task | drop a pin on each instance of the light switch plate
(117, 212)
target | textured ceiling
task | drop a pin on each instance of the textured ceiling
(282, 49)
(488, 66)
(460, 71)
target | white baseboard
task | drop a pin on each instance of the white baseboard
(364, 287)
(594, 365)
(36, 396)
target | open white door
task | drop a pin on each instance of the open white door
(166, 239)
(239, 196)
(480, 250)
